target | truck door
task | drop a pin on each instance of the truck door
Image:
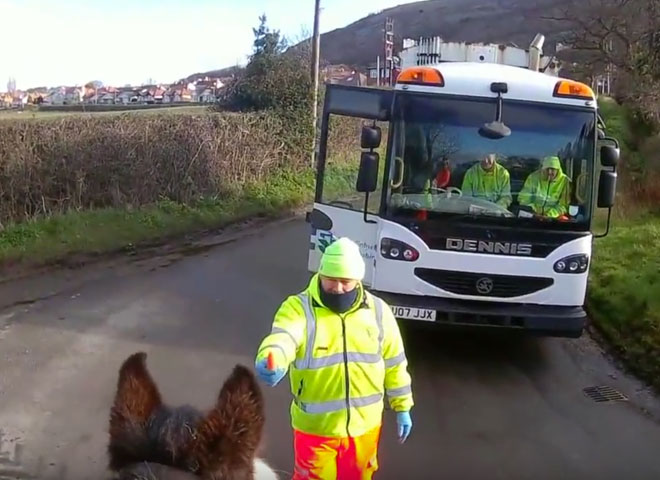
(339, 209)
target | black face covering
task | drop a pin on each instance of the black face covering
(339, 302)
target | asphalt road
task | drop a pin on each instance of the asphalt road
(488, 407)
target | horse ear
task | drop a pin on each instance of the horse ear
(137, 394)
(227, 439)
(136, 398)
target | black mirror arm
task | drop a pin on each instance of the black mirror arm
(607, 229)
(366, 206)
(499, 107)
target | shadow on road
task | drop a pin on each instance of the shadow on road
(432, 349)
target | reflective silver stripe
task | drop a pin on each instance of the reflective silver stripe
(322, 407)
(365, 401)
(336, 405)
(311, 332)
(337, 358)
(286, 332)
(309, 362)
(398, 392)
(391, 362)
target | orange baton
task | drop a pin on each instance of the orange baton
(271, 361)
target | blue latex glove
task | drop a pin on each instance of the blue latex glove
(270, 377)
(404, 422)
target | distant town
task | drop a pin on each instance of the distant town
(200, 90)
(195, 89)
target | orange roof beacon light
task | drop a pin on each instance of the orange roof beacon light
(573, 89)
(421, 76)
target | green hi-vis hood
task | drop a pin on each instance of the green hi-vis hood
(547, 197)
(553, 162)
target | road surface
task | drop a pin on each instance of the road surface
(488, 407)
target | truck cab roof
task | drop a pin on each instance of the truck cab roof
(473, 79)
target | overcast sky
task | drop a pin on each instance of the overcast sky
(68, 42)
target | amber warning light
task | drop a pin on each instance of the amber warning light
(572, 89)
(421, 76)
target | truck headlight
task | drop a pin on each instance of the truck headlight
(397, 250)
(573, 264)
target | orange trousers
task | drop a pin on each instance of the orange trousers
(335, 458)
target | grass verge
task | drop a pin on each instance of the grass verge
(624, 293)
(52, 239)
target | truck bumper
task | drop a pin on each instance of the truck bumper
(544, 320)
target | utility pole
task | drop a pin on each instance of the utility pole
(316, 47)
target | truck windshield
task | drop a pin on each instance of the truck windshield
(541, 173)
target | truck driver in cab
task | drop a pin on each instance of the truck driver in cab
(488, 180)
(547, 190)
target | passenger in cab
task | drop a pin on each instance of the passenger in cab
(488, 180)
(443, 177)
(547, 191)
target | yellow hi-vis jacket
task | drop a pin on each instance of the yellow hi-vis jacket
(340, 366)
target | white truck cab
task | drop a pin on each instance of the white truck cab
(445, 239)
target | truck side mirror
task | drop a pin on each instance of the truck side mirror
(606, 189)
(609, 156)
(609, 151)
(367, 180)
(371, 137)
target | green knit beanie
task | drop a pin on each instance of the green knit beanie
(342, 259)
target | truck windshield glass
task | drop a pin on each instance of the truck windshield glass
(442, 166)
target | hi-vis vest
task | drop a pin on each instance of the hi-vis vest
(341, 367)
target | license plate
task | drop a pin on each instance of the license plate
(412, 313)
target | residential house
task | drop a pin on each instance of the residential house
(73, 95)
(180, 93)
(343, 75)
(103, 95)
(35, 96)
(6, 100)
(372, 74)
(55, 96)
(127, 95)
(206, 91)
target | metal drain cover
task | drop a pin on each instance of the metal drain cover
(604, 394)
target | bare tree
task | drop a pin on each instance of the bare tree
(624, 34)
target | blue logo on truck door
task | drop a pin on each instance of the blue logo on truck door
(325, 239)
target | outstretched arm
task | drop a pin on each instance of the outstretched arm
(286, 335)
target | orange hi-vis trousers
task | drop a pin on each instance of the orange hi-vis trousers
(335, 458)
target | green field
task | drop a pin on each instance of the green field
(624, 293)
(101, 231)
(36, 114)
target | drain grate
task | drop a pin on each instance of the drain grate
(604, 394)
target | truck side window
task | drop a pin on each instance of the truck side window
(343, 161)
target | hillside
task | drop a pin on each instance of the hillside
(503, 21)
(222, 72)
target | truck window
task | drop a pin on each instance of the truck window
(442, 166)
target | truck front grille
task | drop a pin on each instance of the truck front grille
(483, 284)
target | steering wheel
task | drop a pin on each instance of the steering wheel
(447, 191)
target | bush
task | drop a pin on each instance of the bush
(639, 172)
(78, 163)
